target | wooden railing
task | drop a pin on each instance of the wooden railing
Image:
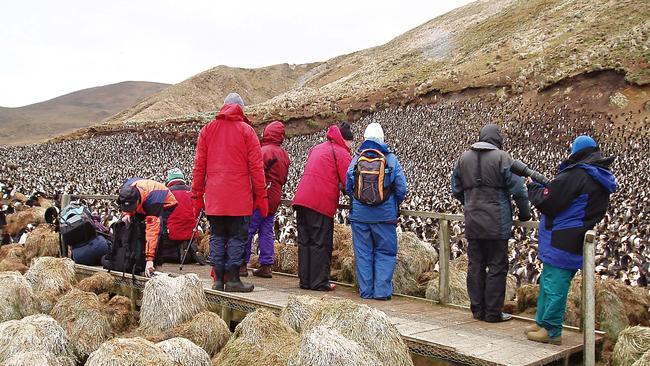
(588, 320)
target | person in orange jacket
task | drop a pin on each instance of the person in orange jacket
(145, 199)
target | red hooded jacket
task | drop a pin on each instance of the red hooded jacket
(276, 163)
(228, 166)
(181, 222)
(319, 186)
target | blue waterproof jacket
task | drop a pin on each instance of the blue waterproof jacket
(388, 211)
(573, 203)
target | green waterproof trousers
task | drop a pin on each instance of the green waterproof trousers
(551, 304)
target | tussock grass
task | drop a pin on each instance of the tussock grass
(184, 352)
(37, 333)
(170, 301)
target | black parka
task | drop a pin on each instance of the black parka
(483, 183)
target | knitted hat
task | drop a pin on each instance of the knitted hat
(374, 131)
(346, 131)
(174, 176)
(581, 143)
(128, 199)
(234, 98)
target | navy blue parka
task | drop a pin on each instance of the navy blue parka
(573, 203)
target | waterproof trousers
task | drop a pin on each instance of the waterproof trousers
(375, 255)
(228, 235)
(554, 286)
(263, 226)
(315, 242)
(487, 289)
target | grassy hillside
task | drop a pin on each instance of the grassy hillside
(66, 113)
(503, 47)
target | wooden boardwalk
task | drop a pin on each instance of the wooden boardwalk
(450, 331)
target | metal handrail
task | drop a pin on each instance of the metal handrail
(588, 317)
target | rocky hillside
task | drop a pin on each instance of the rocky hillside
(498, 47)
(66, 113)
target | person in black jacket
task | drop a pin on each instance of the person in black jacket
(571, 204)
(483, 183)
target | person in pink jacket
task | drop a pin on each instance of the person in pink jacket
(316, 201)
(228, 180)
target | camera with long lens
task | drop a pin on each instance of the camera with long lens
(521, 169)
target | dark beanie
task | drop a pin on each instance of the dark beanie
(346, 131)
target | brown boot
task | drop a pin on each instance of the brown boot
(264, 271)
(532, 328)
(243, 270)
(542, 336)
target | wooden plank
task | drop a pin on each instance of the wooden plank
(452, 330)
(414, 328)
(271, 297)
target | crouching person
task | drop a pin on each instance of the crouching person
(149, 201)
(276, 169)
(573, 203)
(229, 174)
(377, 185)
(179, 228)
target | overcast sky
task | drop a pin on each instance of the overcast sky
(50, 48)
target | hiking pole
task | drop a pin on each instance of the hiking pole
(189, 245)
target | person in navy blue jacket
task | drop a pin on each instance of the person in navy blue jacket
(374, 225)
(573, 203)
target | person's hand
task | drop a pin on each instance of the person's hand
(149, 269)
(529, 180)
(197, 205)
(525, 218)
(126, 219)
(262, 204)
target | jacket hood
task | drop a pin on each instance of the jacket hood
(334, 135)
(273, 133)
(492, 135)
(596, 166)
(232, 112)
(176, 182)
(374, 144)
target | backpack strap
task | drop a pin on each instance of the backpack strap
(479, 173)
(479, 169)
(336, 165)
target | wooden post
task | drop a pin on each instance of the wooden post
(443, 261)
(226, 314)
(134, 300)
(63, 249)
(588, 321)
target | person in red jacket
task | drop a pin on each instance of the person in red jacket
(145, 199)
(228, 180)
(276, 169)
(315, 202)
(177, 232)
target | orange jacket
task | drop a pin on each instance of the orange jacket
(154, 199)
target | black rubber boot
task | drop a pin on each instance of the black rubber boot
(234, 284)
(218, 273)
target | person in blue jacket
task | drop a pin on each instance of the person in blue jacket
(573, 203)
(374, 213)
